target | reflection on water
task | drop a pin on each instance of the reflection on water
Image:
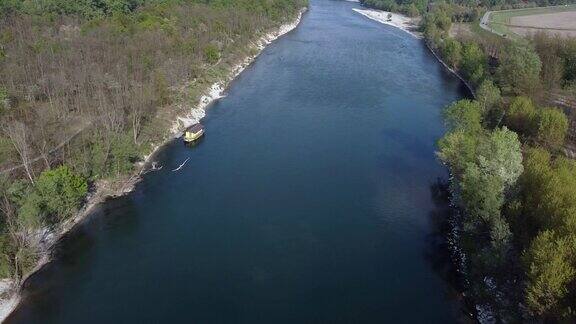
(194, 143)
(438, 252)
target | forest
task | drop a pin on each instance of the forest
(88, 87)
(512, 183)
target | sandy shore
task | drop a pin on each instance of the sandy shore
(397, 20)
(9, 294)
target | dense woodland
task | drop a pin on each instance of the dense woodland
(86, 88)
(514, 189)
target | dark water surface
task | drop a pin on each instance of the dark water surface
(309, 199)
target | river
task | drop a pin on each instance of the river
(310, 199)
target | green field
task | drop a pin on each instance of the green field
(499, 19)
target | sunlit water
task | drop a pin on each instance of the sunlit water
(309, 199)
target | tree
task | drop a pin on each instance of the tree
(413, 10)
(549, 270)
(120, 6)
(568, 55)
(451, 51)
(123, 155)
(534, 184)
(474, 62)
(16, 256)
(4, 102)
(482, 196)
(500, 242)
(441, 16)
(552, 64)
(552, 127)
(557, 207)
(18, 134)
(519, 70)
(211, 54)
(520, 116)
(61, 191)
(488, 95)
(464, 115)
(496, 167)
(501, 156)
(457, 149)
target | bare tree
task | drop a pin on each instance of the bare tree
(17, 236)
(137, 109)
(18, 134)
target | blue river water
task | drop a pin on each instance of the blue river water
(310, 199)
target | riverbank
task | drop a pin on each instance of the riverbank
(405, 23)
(10, 291)
(411, 26)
(466, 83)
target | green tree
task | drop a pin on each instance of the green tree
(519, 70)
(552, 64)
(121, 6)
(568, 55)
(457, 149)
(552, 127)
(549, 270)
(123, 155)
(413, 10)
(488, 95)
(482, 196)
(521, 116)
(534, 184)
(464, 115)
(501, 156)
(474, 62)
(3, 99)
(451, 51)
(558, 204)
(211, 54)
(32, 212)
(61, 191)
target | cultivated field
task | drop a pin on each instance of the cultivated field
(559, 20)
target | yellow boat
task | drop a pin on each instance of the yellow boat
(193, 133)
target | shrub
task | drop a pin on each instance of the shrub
(60, 191)
(211, 54)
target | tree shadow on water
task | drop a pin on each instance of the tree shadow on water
(71, 259)
(439, 253)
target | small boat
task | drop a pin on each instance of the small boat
(193, 133)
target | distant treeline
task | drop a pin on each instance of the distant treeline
(102, 8)
(87, 86)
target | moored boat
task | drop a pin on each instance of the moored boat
(193, 133)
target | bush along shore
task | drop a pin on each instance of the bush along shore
(512, 237)
(108, 86)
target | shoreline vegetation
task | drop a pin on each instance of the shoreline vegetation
(512, 183)
(103, 189)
